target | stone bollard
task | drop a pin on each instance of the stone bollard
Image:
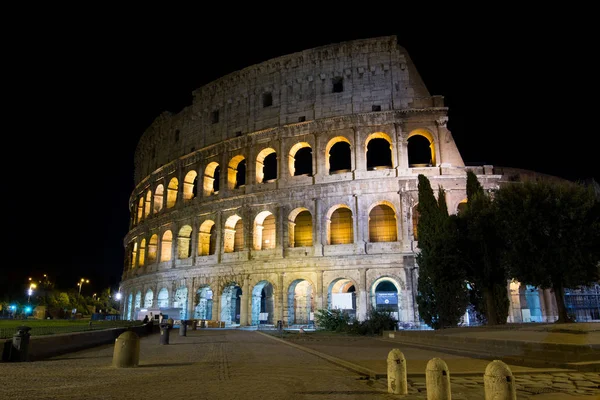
(183, 328)
(499, 382)
(164, 333)
(19, 350)
(194, 324)
(437, 378)
(127, 350)
(396, 372)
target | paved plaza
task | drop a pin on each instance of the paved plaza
(239, 364)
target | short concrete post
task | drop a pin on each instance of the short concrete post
(396, 372)
(437, 378)
(499, 382)
(127, 350)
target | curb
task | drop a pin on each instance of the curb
(343, 363)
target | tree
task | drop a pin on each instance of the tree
(481, 246)
(442, 294)
(552, 230)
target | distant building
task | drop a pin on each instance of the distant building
(291, 186)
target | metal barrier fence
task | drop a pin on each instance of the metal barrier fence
(7, 333)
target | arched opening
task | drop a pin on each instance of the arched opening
(163, 298)
(138, 303)
(152, 248)
(148, 299)
(300, 228)
(461, 206)
(142, 256)
(266, 166)
(236, 173)
(158, 198)
(300, 303)
(341, 295)
(264, 231)
(338, 156)
(189, 185)
(204, 303)
(133, 255)
(211, 179)
(341, 229)
(148, 204)
(421, 150)
(230, 304)
(383, 224)
(379, 152)
(184, 242)
(300, 159)
(165, 246)
(129, 310)
(207, 238)
(180, 301)
(233, 234)
(384, 296)
(140, 213)
(172, 193)
(262, 304)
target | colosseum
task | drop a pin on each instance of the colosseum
(290, 186)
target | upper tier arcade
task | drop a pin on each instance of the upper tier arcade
(349, 78)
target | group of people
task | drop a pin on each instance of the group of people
(151, 318)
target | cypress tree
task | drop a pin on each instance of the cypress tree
(442, 295)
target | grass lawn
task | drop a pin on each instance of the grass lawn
(8, 327)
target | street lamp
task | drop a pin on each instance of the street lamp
(80, 284)
(30, 291)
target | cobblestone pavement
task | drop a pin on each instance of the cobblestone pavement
(234, 364)
(466, 374)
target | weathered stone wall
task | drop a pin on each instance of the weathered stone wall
(376, 72)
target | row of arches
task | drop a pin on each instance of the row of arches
(339, 229)
(338, 159)
(262, 304)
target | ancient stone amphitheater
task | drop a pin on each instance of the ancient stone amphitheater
(290, 186)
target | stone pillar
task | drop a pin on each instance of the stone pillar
(318, 231)
(245, 302)
(321, 293)
(174, 245)
(216, 305)
(279, 298)
(194, 238)
(359, 159)
(362, 306)
(190, 299)
(219, 237)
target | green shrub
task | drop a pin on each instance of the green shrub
(340, 321)
(333, 320)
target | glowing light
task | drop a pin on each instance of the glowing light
(118, 296)
(27, 309)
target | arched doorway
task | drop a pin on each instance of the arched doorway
(262, 304)
(204, 303)
(300, 303)
(341, 295)
(230, 304)
(385, 296)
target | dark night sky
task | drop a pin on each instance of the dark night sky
(81, 95)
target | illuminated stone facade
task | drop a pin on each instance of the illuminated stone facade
(290, 186)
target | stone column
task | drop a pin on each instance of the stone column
(244, 302)
(174, 245)
(320, 294)
(361, 312)
(280, 311)
(318, 230)
(190, 299)
(216, 305)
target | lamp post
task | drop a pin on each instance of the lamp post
(81, 282)
(30, 292)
